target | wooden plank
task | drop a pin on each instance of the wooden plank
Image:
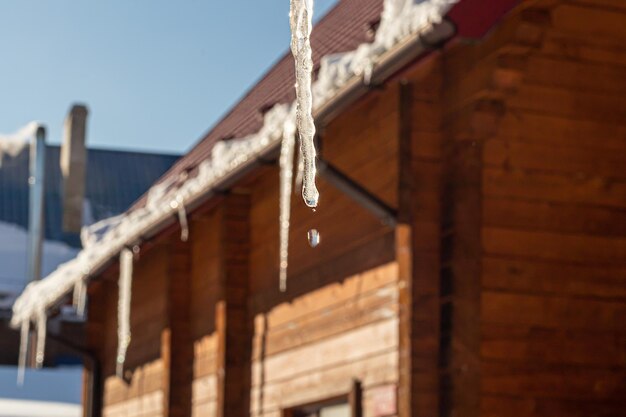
(556, 101)
(608, 51)
(328, 382)
(524, 406)
(553, 311)
(550, 346)
(335, 295)
(554, 278)
(552, 187)
(554, 217)
(554, 246)
(406, 299)
(556, 382)
(566, 159)
(575, 75)
(353, 314)
(350, 346)
(528, 126)
(360, 256)
(589, 20)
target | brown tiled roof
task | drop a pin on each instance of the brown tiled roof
(345, 27)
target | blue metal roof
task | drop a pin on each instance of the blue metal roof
(114, 180)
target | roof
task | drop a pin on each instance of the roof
(114, 179)
(342, 29)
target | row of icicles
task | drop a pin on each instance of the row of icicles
(300, 16)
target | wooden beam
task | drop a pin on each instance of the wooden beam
(177, 344)
(404, 258)
(233, 324)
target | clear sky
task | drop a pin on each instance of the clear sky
(155, 74)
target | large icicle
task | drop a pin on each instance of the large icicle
(40, 350)
(300, 16)
(123, 308)
(21, 361)
(286, 181)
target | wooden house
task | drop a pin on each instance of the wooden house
(473, 238)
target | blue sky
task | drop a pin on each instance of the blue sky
(156, 74)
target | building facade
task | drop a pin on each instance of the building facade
(497, 289)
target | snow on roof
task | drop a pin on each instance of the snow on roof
(13, 243)
(12, 144)
(30, 408)
(400, 19)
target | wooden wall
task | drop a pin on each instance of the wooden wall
(506, 295)
(554, 229)
(338, 320)
(534, 237)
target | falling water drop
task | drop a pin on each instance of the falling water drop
(314, 237)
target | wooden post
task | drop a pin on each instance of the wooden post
(177, 345)
(232, 322)
(404, 259)
(404, 251)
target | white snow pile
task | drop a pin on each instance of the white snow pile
(13, 254)
(12, 144)
(400, 19)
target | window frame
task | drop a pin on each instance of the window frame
(353, 398)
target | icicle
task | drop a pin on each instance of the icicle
(21, 363)
(79, 299)
(299, 170)
(301, 15)
(182, 217)
(40, 349)
(286, 180)
(123, 308)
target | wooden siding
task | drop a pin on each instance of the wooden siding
(312, 347)
(548, 127)
(502, 292)
(142, 394)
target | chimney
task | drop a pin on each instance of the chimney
(73, 165)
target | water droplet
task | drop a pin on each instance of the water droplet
(314, 237)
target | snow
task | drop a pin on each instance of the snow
(25, 408)
(301, 20)
(13, 144)
(13, 258)
(400, 19)
(123, 308)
